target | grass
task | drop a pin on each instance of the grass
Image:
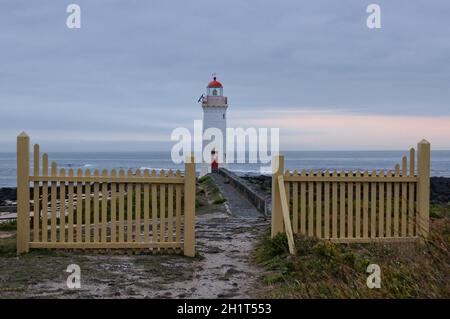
(8, 225)
(8, 247)
(8, 244)
(204, 179)
(208, 194)
(439, 211)
(322, 269)
(219, 201)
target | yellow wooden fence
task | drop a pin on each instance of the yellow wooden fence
(80, 210)
(354, 206)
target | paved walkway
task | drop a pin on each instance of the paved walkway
(238, 205)
(226, 241)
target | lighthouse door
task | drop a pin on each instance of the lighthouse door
(214, 166)
(214, 162)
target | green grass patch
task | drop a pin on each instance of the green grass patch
(204, 179)
(208, 194)
(439, 211)
(8, 226)
(8, 247)
(219, 201)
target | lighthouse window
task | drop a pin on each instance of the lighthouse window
(224, 116)
(214, 92)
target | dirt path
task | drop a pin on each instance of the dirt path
(223, 269)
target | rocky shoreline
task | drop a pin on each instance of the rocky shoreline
(440, 190)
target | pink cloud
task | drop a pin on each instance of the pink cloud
(347, 131)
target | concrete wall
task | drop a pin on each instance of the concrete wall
(261, 201)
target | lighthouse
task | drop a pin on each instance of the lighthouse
(214, 116)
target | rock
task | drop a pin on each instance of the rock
(7, 194)
(231, 272)
(213, 250)
(440, 190)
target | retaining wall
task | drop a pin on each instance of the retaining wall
(261, 201)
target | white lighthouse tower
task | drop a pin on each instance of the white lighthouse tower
(214, 116)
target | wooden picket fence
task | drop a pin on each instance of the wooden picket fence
(354, 207)
(131, 211)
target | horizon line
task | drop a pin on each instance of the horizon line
(304, 150)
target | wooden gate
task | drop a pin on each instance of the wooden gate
(354, 207)
(111, 210)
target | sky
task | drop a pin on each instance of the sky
(135, 69)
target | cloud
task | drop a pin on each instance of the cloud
(137, 68)
(342, 131)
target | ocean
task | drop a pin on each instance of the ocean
(339, 160)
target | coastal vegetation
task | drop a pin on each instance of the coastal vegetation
(8, 225)
(322, 269)
(208, 194)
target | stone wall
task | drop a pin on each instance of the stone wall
(262, 201)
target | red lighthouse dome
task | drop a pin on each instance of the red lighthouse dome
(214, 84)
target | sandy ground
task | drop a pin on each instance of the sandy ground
(222, 269)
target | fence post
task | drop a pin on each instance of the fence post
(189, 206)
(286, 217)
(423, 187)
(277, 214)
(23, 193)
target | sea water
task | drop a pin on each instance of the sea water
(339, 160)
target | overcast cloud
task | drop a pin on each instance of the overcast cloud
(135, 70)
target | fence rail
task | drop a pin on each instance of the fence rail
(354, 206)
(104, 210)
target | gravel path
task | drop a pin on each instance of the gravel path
(222, 270)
